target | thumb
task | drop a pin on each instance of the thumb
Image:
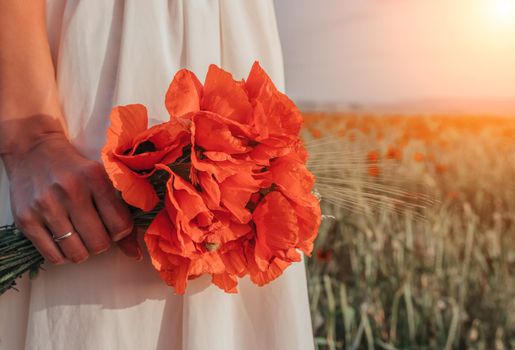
(130, 246)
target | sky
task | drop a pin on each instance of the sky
(388, 51)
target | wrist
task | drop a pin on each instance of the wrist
(20, 136)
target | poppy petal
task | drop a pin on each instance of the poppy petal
(208, 262)
(293, 178)
(213, 134)
(226, 281)
(135, 189)
(225, 96)
(210, 189)
(234, 260)
(309, 218)
(184, 94)
(220, 170)
(277, 228)
(259, 277)
(235, 194)
(126, 123)
(274, 112)
(178, 276)
(275, 270)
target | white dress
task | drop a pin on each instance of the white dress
(112, 52)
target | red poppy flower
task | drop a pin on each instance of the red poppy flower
(253, 110)
(277, 120)
(132, 150)
(165, 252)
(286, 219)
(237, 127)
(293, 179)
(187, 228)
(221, 166)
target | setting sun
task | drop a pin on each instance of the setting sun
(504, 10)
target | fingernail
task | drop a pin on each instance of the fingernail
(58, 261)
(103, 250)
(122, 234)
(139, 255)
(133, 251)
(80, 260)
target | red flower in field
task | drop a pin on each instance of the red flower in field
(132, 150)
(373, 157)
(316, 133)
(452, 194)
(374, 170)
(440, 168)
(324, 255)
(418, 157)
(394, 154)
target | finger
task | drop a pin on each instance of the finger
(50, 206)
(55, 217)
(42, 240)
(113, 211)
(130, 246)
(72, 247)
(89, 226)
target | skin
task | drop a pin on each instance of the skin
(54, 189)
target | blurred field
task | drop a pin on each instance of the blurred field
(408, 271)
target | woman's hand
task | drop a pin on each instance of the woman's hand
(55, 190)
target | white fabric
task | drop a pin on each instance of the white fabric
(111, 52)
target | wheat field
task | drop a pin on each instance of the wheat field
(420, 253)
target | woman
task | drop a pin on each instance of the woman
(59, 78)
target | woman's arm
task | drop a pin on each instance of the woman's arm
(54, 189)
(28, 92)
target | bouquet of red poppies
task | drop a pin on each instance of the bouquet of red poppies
(223, 184)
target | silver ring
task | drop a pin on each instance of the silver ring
(60, 238)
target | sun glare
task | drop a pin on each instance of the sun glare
(504, 11)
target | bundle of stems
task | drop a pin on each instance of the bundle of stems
(17, 256)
